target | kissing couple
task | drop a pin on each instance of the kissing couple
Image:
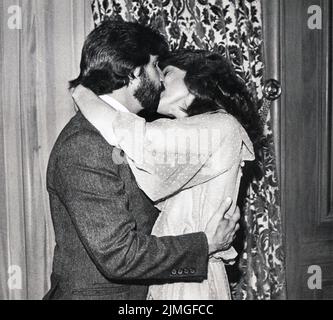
(160, 223)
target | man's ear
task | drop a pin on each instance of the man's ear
(136, 73)
(135, 78)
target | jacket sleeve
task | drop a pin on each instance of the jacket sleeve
(91, 189)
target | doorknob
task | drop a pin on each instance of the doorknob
(272, 89)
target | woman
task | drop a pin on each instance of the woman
(191, 163)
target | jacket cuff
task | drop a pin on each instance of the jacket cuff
(195, 268)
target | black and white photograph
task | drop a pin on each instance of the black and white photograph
(166, 150)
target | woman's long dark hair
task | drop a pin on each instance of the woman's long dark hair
(215, 85)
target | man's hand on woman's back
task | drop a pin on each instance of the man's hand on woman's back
(221, 230)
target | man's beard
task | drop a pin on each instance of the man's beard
(148, 94)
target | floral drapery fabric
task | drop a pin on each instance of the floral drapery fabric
(234, 29)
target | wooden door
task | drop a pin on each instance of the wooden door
(304, 123)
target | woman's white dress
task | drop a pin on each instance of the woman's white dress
(188, 166)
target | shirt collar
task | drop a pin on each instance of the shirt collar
(114, 103)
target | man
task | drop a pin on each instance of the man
(102, 220)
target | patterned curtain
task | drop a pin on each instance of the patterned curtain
(233, 28)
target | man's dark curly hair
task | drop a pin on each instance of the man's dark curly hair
(215, 85)
(113, 51)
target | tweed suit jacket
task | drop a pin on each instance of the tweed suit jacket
(103, 222)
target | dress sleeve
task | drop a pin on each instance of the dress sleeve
(167, 156)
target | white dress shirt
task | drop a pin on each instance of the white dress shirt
(113, 103)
